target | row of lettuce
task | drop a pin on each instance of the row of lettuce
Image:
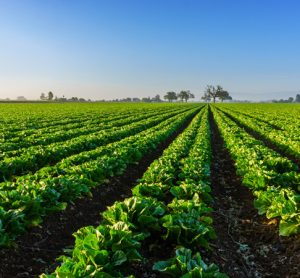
(26, 200)
(169, 205)
(273, 179)
(49, 134)
(30, 118)
(29, 159)
(282, 117)
(286, 139)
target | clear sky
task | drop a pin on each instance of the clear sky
(117, 48)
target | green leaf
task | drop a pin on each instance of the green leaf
(118, 258)
(287, 228)
(101, 257)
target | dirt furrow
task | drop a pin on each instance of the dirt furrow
(265, 140)
(38, 248)
(248, 245)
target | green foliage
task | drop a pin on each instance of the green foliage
(188, 223)
(186, 265)
(101, 252)
(140, 214)
(26, 199)
(127, 223)
(273, 178)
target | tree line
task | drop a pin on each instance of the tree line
(211, 93)
(182, 95)
(50, 97)
(289, 100)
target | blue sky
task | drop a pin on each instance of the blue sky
(136, 48)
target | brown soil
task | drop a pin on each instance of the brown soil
(248, 245)
(38, 249)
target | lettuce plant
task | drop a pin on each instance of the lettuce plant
(185, 265)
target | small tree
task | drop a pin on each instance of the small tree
(43, 97)
(206, 97)
(50, 95)
(185, 95)
(146, 99)
(224, 95)
(191, 95)
(170, 96)
(297, 99)
(157, 98)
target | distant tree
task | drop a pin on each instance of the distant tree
(21, 98)
(185, 95)
(43, 97)
(224, 95)
(191, 95)
(50, 95)
(297, 99)
(146, 99)
(182, 95)
(170, 96)
(128, 99)
(206, 97)
(156, 98)
(82, 99)
(290, 99)
(212, 92)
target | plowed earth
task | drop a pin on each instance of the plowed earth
(248, 245)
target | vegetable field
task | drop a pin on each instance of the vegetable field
(149, 190)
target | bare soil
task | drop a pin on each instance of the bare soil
(248, 244)
(39, 247)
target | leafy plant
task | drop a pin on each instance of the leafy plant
(139, 213)
(188, 222)
(101, 252)
(186, 265)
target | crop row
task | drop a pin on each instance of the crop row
(284, 118)
(8, 137)
(33, 158)
(64, 133)
(48, 134)
(37, 128)
(272, 178)
(17, 125)
(284, 140)
(15, 118)
(25, 201)
(170, 202)
(29, 118)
